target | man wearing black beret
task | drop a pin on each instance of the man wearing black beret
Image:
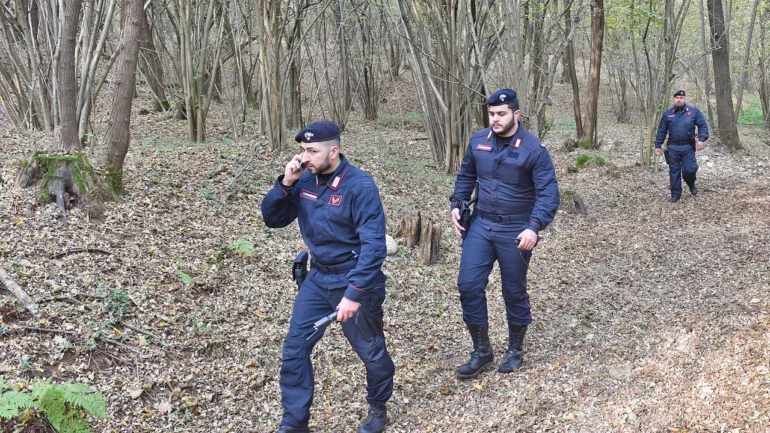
(342, 221)
(517, 197)
(679, 123)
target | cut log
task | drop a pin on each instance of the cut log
(430, 238)
(19, 293)
(410, 228)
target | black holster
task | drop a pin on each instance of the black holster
(467, 215)
(665, 155)
(299, 268)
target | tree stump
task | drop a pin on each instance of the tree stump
(410, 228)
(430, 237)
(573, 203)
(64, 180)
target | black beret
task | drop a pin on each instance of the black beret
(502, 96)
(679, 93)
(323, 130)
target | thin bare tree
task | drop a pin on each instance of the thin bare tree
(450, 45)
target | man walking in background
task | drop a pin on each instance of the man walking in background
(679, 123)
(518, 196)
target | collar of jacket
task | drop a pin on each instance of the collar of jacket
(334, 180)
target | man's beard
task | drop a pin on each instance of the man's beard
(322, 167)
(507, 127)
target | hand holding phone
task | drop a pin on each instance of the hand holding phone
(293, 171)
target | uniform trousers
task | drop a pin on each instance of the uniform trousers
(486, 243)
(363, 331)
(681, 165)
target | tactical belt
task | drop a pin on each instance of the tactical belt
(679, 143)
(339, 268)
(505, 219)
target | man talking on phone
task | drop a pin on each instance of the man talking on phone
(342, 221)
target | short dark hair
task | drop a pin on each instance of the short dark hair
(514, 105)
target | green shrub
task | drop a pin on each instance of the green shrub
(599, 160)
(564, 124)
(585, 143)
(751, 115)
(162, 106)
(64, 405)
(582, 160)
(410, 120)
(241, 246)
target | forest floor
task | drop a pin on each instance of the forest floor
(648, 316)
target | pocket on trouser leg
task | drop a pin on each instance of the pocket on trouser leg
(294, 362)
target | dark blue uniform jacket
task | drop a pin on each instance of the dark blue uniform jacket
(679, 124)
(517, 179)
(341, 219)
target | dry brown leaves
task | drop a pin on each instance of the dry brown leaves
(648, 316)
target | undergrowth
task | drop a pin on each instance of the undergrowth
(64, 405)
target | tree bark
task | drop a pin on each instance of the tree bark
(113, 151)
(597, 41)
(707, 71)
(19, 293)
(149, 63)
(745, 65)
(67, 79)
(430, 239)
(764, 86)
(728, 127)
(569, 62)
(410, 227)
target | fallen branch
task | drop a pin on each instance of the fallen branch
(69, 299)
(80, 250)
(141, 331)
(50, 330)
(119, 344)
(19, 293)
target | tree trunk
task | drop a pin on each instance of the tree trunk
(597, 41)
(149, 64)
(764, 86)
(67, 80)
(728, 128)
(707, 73)
(569, 62)
(745, 65)
(624, 116)
(113, 151)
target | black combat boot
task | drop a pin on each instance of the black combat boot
(482, 356)
(514, 356)
(288, 429)
(375, 421)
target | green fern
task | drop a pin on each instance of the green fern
(63, 404)
(242, 247)
(12, 401)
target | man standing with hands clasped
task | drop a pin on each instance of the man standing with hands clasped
(341, 218)
(679, 122)
(518, 196)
